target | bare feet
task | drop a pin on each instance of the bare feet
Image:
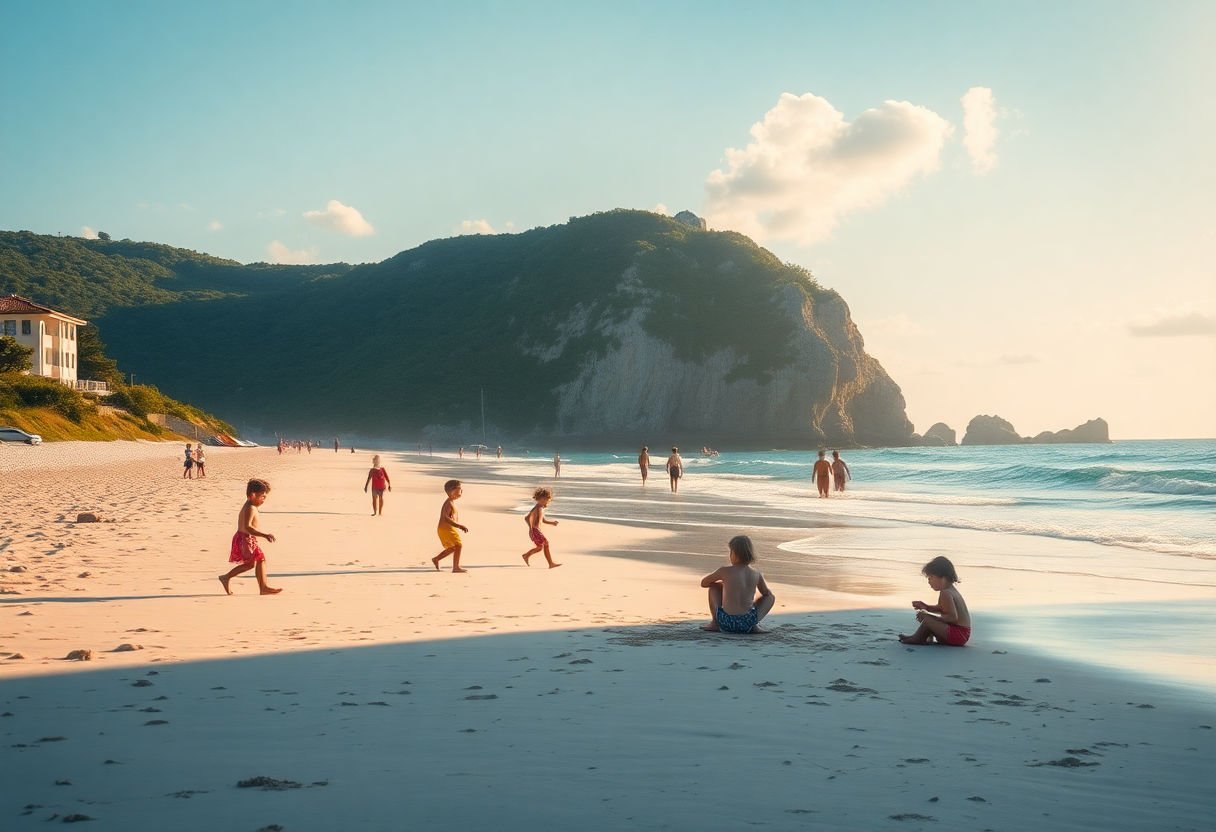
(909, 640)
(458, 569)
(757, 631)
(270, 590)
(435, 560)
(554, 565)
(526, 561)
(224, 581)
(711, 627)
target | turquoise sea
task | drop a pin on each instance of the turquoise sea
(1152, 495)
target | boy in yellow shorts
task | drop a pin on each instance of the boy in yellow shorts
(449, 525)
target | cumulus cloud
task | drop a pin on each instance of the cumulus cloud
(1175, 326)
(88, 233)
(660, 208)
(341, 218)
(807, 167)
(280, 253)
(979, 128)
(215, 225)
(476, 227)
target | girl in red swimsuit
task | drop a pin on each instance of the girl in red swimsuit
(377, 478)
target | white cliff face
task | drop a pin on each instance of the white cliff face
(641, 386)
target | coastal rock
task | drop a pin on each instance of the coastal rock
(79, 656)
(938, 436)
(88, 517)
(991, 430)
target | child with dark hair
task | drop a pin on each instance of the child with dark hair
(542, 496)
(952, 624)
(245, 550)
(449, 527)
(733, 604)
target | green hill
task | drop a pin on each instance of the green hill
(620, 325)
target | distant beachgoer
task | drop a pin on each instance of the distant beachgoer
(840, 471)
(378, 479)
(188, 473)
(557, 465)
(200, 460)
(542, 496)
(952, 625)
(460, 452)
(499, 452)
(335, 446)
(449, 527)
(822, 472)
(245, 550)
(644, 463)
(734, 606)
(675, 469)
(280, 447)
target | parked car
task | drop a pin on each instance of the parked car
(18, 435)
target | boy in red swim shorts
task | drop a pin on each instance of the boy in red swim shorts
(542, 496)
(245, 550)
(952, 625)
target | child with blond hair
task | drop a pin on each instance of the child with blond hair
(542, 496)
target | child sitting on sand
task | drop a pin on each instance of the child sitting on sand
(733, 604)
(448, 525)
(245, 549)
(542, 496)
(377, 477)
(953, 625)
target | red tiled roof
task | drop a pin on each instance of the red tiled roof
(17, 305)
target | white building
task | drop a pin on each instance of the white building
(51, 334)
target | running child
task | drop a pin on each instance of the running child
(542, 496)
(245, 549)
(449, 527)
(734, 606)
(377, 477)
(952, 625)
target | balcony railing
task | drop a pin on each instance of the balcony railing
(88, 386)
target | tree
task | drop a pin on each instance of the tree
(92, 360)
(101, 235)
(14, 357)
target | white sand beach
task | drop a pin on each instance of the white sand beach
(376, 693)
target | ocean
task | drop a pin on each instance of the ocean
(1152, 495)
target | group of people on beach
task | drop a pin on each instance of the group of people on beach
(826, 473)
(196, 458)
(739, 598)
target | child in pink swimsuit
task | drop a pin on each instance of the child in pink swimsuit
(952, 625)
(542, 496)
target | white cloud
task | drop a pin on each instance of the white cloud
(280, 253)
(807, 168)
(660, 208)
(979, 128)
(88, 233)
(215, 225)
(341, 218)
(1175, 326)
(476, 227)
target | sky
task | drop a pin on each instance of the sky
(1017, 200)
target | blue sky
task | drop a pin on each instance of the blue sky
(1052, 262)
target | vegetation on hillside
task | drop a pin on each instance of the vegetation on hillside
(392, 347)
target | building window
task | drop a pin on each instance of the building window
(25, 327)
(48, 356)
(10, 328)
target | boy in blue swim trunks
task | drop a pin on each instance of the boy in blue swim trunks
(733, 603)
